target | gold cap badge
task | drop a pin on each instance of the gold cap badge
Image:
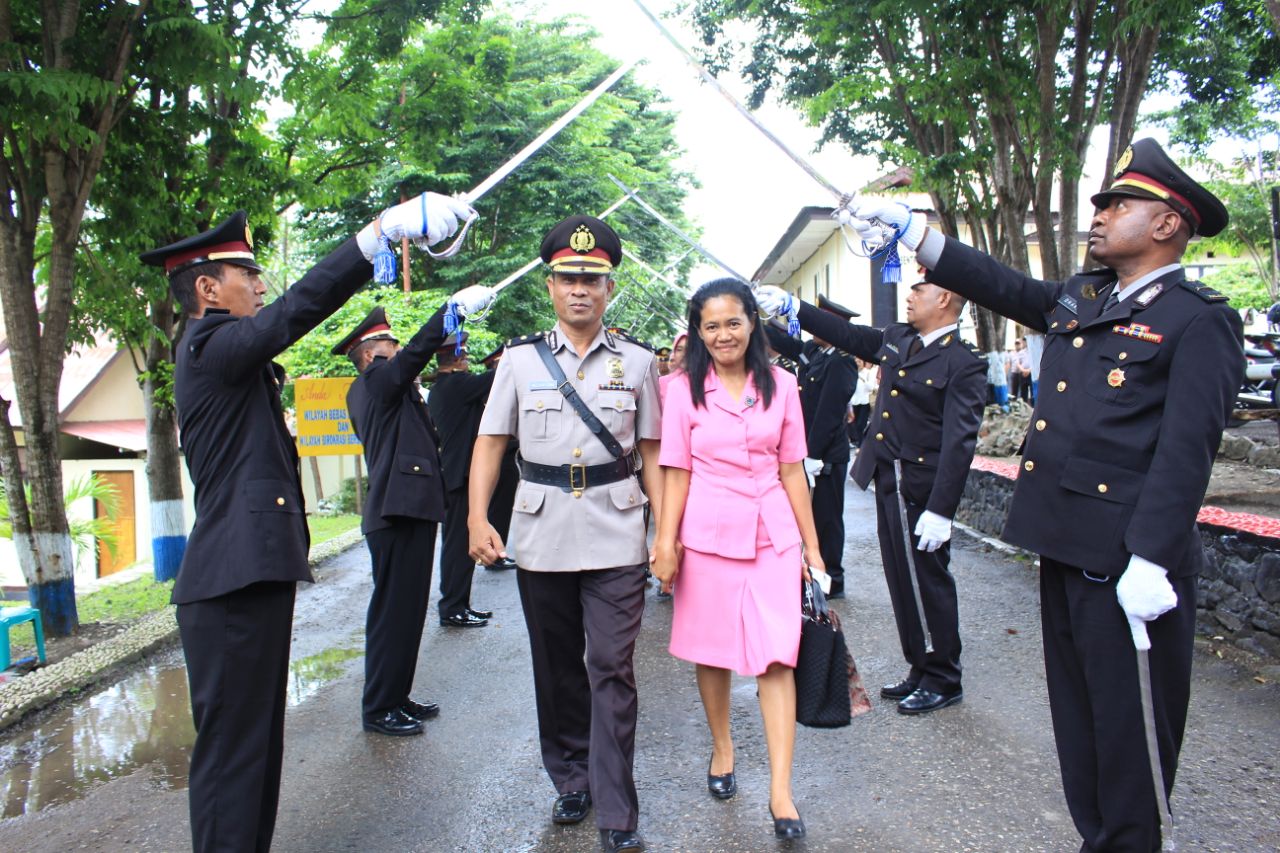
(248, 235)
(1123, 163)
(582, 240)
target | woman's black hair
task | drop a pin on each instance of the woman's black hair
(697, 359)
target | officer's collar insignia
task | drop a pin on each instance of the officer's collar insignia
(893, 347)
(1069, 302)
(1072, 325)
(1139, 331)
(946, 340)
(1115, 378)
(1123, 163)
(582, 240)
(1144, 298)
(1089, 292)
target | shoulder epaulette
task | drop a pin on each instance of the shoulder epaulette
(526, 339)
(624, 335)
(1208, 294)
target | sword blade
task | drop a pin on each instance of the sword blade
(910, 550)
(737, 105)
(546, 135)
(1153, 750)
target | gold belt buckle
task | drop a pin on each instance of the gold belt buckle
(577, 479)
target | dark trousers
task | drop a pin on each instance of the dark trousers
(1096, 708)
(456, 566)
(939, 671)
(402, 555)
(582, 632)
(237, 651)
(858, 427)
(828, 516)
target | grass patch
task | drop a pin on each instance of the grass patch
(326, 527)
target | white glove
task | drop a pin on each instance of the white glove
(813, 467)
(1145, 593)
(473, 299)
(773, 301)
(898, 215)
(933, 530)
(429, 218)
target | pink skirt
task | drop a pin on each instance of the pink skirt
(738, 614)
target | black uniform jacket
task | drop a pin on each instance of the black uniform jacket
(250, 524)
(456, 404)
(1131, 408)
(826, 381)
(928, 408)
(390, 417)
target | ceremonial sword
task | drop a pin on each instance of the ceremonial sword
(910, 549)
(1153, 748)
(525, 153)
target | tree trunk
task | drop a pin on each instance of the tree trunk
(164, 462)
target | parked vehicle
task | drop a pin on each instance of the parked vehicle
(1261, 388)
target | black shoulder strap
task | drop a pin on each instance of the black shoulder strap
(566, 388)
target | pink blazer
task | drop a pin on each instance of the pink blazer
(732, 451)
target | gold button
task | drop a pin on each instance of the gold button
(631, 499)
(902, 373)
(1062, 385)
(879, 436)
(893, 393)
(1041, 424)
(581, 375)
(577, 451)
(1123, 356)
(416, 468)
(538, 405)
(1102, 488)
(884, 415)
(577, 493)
(1053, 325)
(884, 358)
(928, 382)
(1077, 343)
(920, 459)
(1028, 465)
(619, 404)
(279, 501)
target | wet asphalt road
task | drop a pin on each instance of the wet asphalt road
(980, 776)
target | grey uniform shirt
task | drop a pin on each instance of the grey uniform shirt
(603, 528)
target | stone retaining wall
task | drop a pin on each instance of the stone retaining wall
(45, 685)
(1239, 596)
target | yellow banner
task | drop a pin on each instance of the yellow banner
(324, 428)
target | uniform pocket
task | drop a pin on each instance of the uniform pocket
(615, 409)
(1102, 481)
(541, 415)
(414, 466)
(529, 498)
(1123, 371)
(627, 495)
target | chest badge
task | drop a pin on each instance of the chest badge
(1116, 377)
(1072, 325)
(1089, 292)
(615, 368)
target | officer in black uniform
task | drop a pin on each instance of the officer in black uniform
(928, 411)
(827, 378)
(456, 404)
(404, 504)
(1137, 379)
(249, 543)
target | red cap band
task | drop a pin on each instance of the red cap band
(235, 250)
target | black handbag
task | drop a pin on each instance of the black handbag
(829, 691)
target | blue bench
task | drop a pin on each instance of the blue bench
(10, 616)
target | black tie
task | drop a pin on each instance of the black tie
(1112, 301)
(917, 344)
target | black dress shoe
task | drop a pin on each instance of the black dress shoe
(619, 840)
(787, 827)
(571, 807)
(465, 619)
(395, 723)
(923, 701)
(501, 564)
(837, 589)
(722, 787)
(482, 614)
(901, 690)
(420, 711)
(662, 596)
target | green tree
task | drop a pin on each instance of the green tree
(64, 73)
(1245, 188)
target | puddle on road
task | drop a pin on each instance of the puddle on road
(144, 720)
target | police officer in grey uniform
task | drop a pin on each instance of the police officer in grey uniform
(578, 525)
(1138, 376)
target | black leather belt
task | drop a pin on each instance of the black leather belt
(575, 478)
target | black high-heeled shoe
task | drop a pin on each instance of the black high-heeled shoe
(721, 787)
(787, 827)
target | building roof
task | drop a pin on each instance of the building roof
(804, 236)
(131, 435)
(80, 371)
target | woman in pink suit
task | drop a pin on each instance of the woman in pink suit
(735, 515)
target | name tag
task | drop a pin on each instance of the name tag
(542, 385)
(1069, 302)
(891, 347)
